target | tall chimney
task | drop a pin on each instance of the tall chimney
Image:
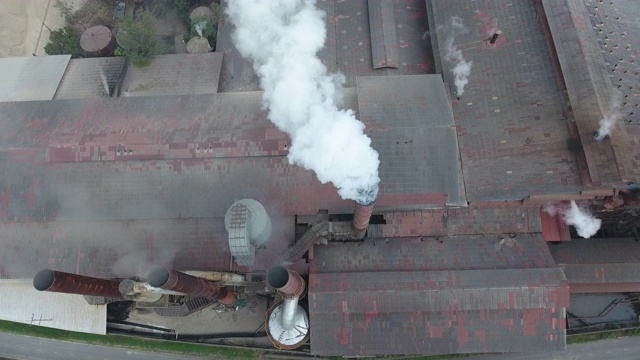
(190, 285)
(287, 323)
(58, 281)
(361, 217)
(494, 37)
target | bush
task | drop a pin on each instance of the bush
(64, 42)
(160, 8)
(139, 39)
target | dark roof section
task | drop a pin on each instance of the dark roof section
(600, 265)
(410, 122)
(175, 74)
(91, 77)
(435, 296)
(616, 27)
(384, 41)
(348, 48)
(512, 122)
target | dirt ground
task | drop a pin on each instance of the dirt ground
(25, 25)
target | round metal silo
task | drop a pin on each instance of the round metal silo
(198, 45)
(201, 12)
(98, 41)
(258, 221)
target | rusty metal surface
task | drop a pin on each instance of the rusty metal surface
(58, 281)
(187, 284)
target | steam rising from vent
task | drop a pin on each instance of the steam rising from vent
(608, 122)
(461, 67)
(200, 27)
(586, 225)
(282, 38)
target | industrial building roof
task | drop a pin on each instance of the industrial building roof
(92, 77)
(600, 265)
(410, 123)
(349, 47)
(54, 310)
(31, 78)
(512, 120)
(175, 74)
(436, 295)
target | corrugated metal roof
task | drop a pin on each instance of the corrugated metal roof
(429, 254)
(410, 117)
(429, 296)
(31, 78)
(384, 41)
(92, 77)
(21, 302)
(175, 74)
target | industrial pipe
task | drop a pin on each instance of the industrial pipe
(190, 285)
(287, 323)
(139, 291)
(361, 218)
(62, 282)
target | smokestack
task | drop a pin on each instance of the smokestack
(62, 282)
(361, 218)
(177, 281)
(287, 322)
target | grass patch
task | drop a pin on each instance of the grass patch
(120, 341)
(583, 338)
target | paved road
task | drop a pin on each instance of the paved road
(627, 348)
(30, 348)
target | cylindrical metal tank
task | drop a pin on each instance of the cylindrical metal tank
(187, 284)
(287, 323)
(98, 41)
(198, 45)
(258, 221)
(201, 12)
(58, 281)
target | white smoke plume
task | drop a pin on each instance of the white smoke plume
(282, 37)
(200, 27)
(608, 122)
(586, 224)
(461, 67)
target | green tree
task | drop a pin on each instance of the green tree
(139, 39)
(216, 12)
(64, 42)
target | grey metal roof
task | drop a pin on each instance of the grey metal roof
(384, 41)
(175, 74)
(31, 78)
(91, 77)
(410, 122)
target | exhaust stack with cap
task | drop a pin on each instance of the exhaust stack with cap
(180, 282)
(62, 282)
(361, 218)
(287, 322)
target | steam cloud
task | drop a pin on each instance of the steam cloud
(461, 67)
(281, 38)
(586, 225)
(608, 122)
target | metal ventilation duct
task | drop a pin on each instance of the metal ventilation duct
(249, 227)
(186, 284)
(62, 282)
(287, 323)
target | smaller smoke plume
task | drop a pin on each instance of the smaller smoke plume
(105, 83)
(586, 224)
(200, 27)
(608, 122)
(461, 67)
